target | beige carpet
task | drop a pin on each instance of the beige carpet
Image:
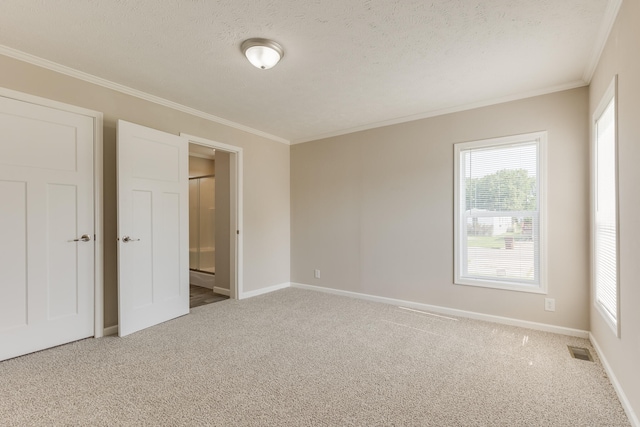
(302, 358)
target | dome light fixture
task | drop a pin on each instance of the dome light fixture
(262, 53)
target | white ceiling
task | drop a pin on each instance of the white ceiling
(348, 65)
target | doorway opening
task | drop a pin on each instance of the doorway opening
(204, 236)
(202, 221)
(213, 222)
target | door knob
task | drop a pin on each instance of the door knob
(83, 238)
(129, 239)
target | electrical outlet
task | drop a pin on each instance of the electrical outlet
(316, 274)
(550, 304)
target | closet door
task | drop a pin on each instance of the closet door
(46, 227)
(153, 227)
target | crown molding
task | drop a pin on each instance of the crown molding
(609, 18)
(90, 78)
(441, 112)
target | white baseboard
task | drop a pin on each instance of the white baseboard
(451, 311)
(262, 291)
(626, 405)
(221, 291)
(111, 330)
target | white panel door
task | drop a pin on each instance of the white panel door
(46, 205)
(153, 227)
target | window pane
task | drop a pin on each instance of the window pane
(502, 248)
(501, 178)
(499, 213)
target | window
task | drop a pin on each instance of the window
(499, 215)
(605, 209)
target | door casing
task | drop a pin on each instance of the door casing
(236, 291)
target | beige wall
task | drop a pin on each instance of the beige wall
(201, 167)
(223, 211)
(621, 56)
(373, 210)
(266, 170)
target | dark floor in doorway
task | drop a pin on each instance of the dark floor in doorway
(202, 296)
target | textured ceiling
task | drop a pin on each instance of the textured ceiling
(347, 65)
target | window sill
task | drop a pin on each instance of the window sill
(507, 286)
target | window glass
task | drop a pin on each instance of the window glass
(498, 218)
(605, 239)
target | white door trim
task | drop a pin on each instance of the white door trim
(236, 293)
(98, 220)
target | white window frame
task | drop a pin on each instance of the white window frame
(611, 94)
(540, 138)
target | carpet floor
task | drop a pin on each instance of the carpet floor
(303, 358)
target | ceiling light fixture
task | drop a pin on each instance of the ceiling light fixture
(262, 53)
